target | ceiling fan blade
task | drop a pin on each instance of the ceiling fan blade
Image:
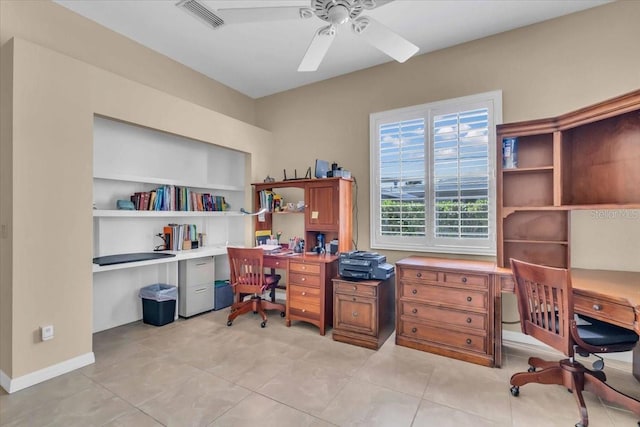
(382, 38)
(262, 14)
(318, 48)
(374, 4)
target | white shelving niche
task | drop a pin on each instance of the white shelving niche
(128, 159)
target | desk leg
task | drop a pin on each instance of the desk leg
(636, 362)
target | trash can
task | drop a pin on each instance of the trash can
(158, 303)
(222, 294)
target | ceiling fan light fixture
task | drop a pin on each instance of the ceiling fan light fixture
(338, 14)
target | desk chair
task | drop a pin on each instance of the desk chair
(545, 303)
(248, 278)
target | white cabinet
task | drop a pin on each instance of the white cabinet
(195, 286)
(129, 159)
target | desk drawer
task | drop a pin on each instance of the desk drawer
(275, 263)
(466, 279)
(304, 279)
(418, 275)
(355, 289)
(462, 298)
(304, 301)
(604, 310)
(438, 315)
(301, 267)
(457, 339)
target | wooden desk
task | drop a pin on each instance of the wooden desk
(611, 296)
(309, 286)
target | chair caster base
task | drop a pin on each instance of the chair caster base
(515, 391)
(263, 324)
(282, 314)
(531, 369)
(229, 323)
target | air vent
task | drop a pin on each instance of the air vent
(201, 12)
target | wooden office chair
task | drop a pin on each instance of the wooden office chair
(248, 278)
(545, 303)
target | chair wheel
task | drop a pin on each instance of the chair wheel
(263, 324)
(229, 323)
(531, 369)
(515, 391)
(282, 314)
(579, 425)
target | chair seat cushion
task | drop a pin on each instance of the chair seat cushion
(271, 280)
(598, 333)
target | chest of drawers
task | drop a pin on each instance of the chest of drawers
(310, 290)
(446, 307)
(363, 311)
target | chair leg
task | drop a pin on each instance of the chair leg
(538, 363)
(576, 383)
(551, 375)
(594, 385)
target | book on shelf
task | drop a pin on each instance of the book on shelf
(509, 153)
(262, 236)
(176, 198)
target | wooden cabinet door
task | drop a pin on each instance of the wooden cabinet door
(356, 314)
(322, 212)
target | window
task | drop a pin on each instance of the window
(432, 176)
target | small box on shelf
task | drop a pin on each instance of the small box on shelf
(509, 153)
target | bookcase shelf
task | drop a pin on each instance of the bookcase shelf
(587, 159)
(162, 181)
(98, 213)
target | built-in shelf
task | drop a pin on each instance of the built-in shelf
(532, 241)
(163, 181)
(179, 256)
(102, 213)
(528, 170)
(508, 210)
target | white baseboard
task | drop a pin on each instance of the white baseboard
(520, 338)
(11, 385)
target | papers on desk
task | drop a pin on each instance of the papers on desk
(270, 249)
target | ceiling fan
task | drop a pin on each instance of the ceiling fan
(333, 12)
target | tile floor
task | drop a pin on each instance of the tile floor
(199, 372)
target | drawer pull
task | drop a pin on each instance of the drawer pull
(355, 288)
(304, 293)
(353, 299)
(468, 340)
(414, 311)
(304, 310)
(303, 279)
(354, 314)
(468, 319)
(197, 291)
(415, 291)
(419, 275)
(464, 280)
(414, 330)
(597, 307)
(469, 299)
(304, 267)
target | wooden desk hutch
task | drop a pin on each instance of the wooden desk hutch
(587, 159)
(309, 284)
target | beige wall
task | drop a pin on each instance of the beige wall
(543, 70)
(55, 27)
(50, 274)
(74, 68)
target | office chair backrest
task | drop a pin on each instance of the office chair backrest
(545, 303)
(247, 269)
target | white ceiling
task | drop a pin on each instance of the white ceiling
(260, 59)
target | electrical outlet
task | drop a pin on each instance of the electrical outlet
(46, 332)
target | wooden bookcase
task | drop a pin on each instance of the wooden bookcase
(586, 159)
(327, 209)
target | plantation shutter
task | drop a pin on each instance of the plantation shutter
(461, 174)
(402, 178)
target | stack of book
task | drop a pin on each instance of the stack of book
(178, 237)
(175, 198)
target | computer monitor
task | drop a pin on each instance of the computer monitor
(322, 167)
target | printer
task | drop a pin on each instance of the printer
(364, 265)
